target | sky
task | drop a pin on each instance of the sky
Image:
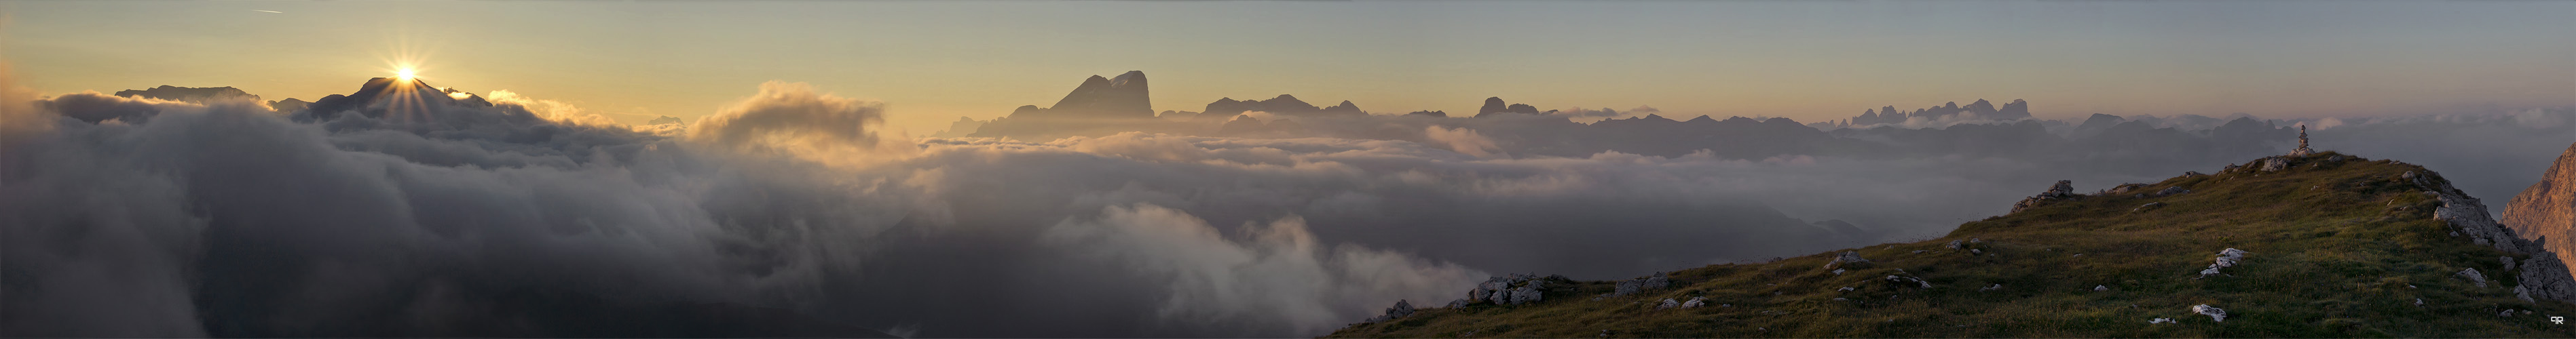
(932, 62)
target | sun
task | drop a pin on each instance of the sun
(405, 73)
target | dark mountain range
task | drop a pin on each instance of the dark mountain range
(189, 94)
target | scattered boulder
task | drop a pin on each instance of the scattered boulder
(1905, 280)
(2101, 288)
(2147, 206)
(1954, 244)
(2275, 164)
(2226, 258)
(1668, 303)
(1695, 302)
(1846, 259)
(2162, 321)
(1991, 288)
(1458, 303)
(1511, 289)
(2473, 276)
(2508, 262)
(1400, 310)
(2214, 313)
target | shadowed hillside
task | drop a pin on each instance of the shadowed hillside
(2327, 245)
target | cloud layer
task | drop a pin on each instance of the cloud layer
(220, 217)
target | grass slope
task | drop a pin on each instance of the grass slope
(2340, 249)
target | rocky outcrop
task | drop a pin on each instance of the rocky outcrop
(1400, 310)
(1434, 114)
(2548, 208)
(2226, 258)
(2542, 275)
(1846, 259)
(2275, 164)
(2063, 190)
(1640, 285)
(1511, 289)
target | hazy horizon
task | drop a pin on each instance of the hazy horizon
(936, 61)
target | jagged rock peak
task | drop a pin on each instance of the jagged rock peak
(1127, 97)
(2546, 211)
(1495, 105)
(375, 98)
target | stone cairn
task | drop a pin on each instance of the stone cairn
(2303, 149)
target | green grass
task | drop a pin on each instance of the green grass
(2335, 247)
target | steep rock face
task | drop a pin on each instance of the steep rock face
(1495, 105)
(2543, 276)
(2546, 212)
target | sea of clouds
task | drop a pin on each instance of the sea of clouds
(227, 218)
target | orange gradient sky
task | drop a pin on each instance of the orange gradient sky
(933, 62)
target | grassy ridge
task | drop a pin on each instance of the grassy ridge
(2340, 249)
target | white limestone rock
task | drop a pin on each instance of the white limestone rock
(2214, 313)
(2226, 258)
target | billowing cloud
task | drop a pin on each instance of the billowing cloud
(1279, 279)
(1462, 140)
(795, 117)
(557, 111)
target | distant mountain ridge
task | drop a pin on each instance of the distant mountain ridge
(189, 94)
